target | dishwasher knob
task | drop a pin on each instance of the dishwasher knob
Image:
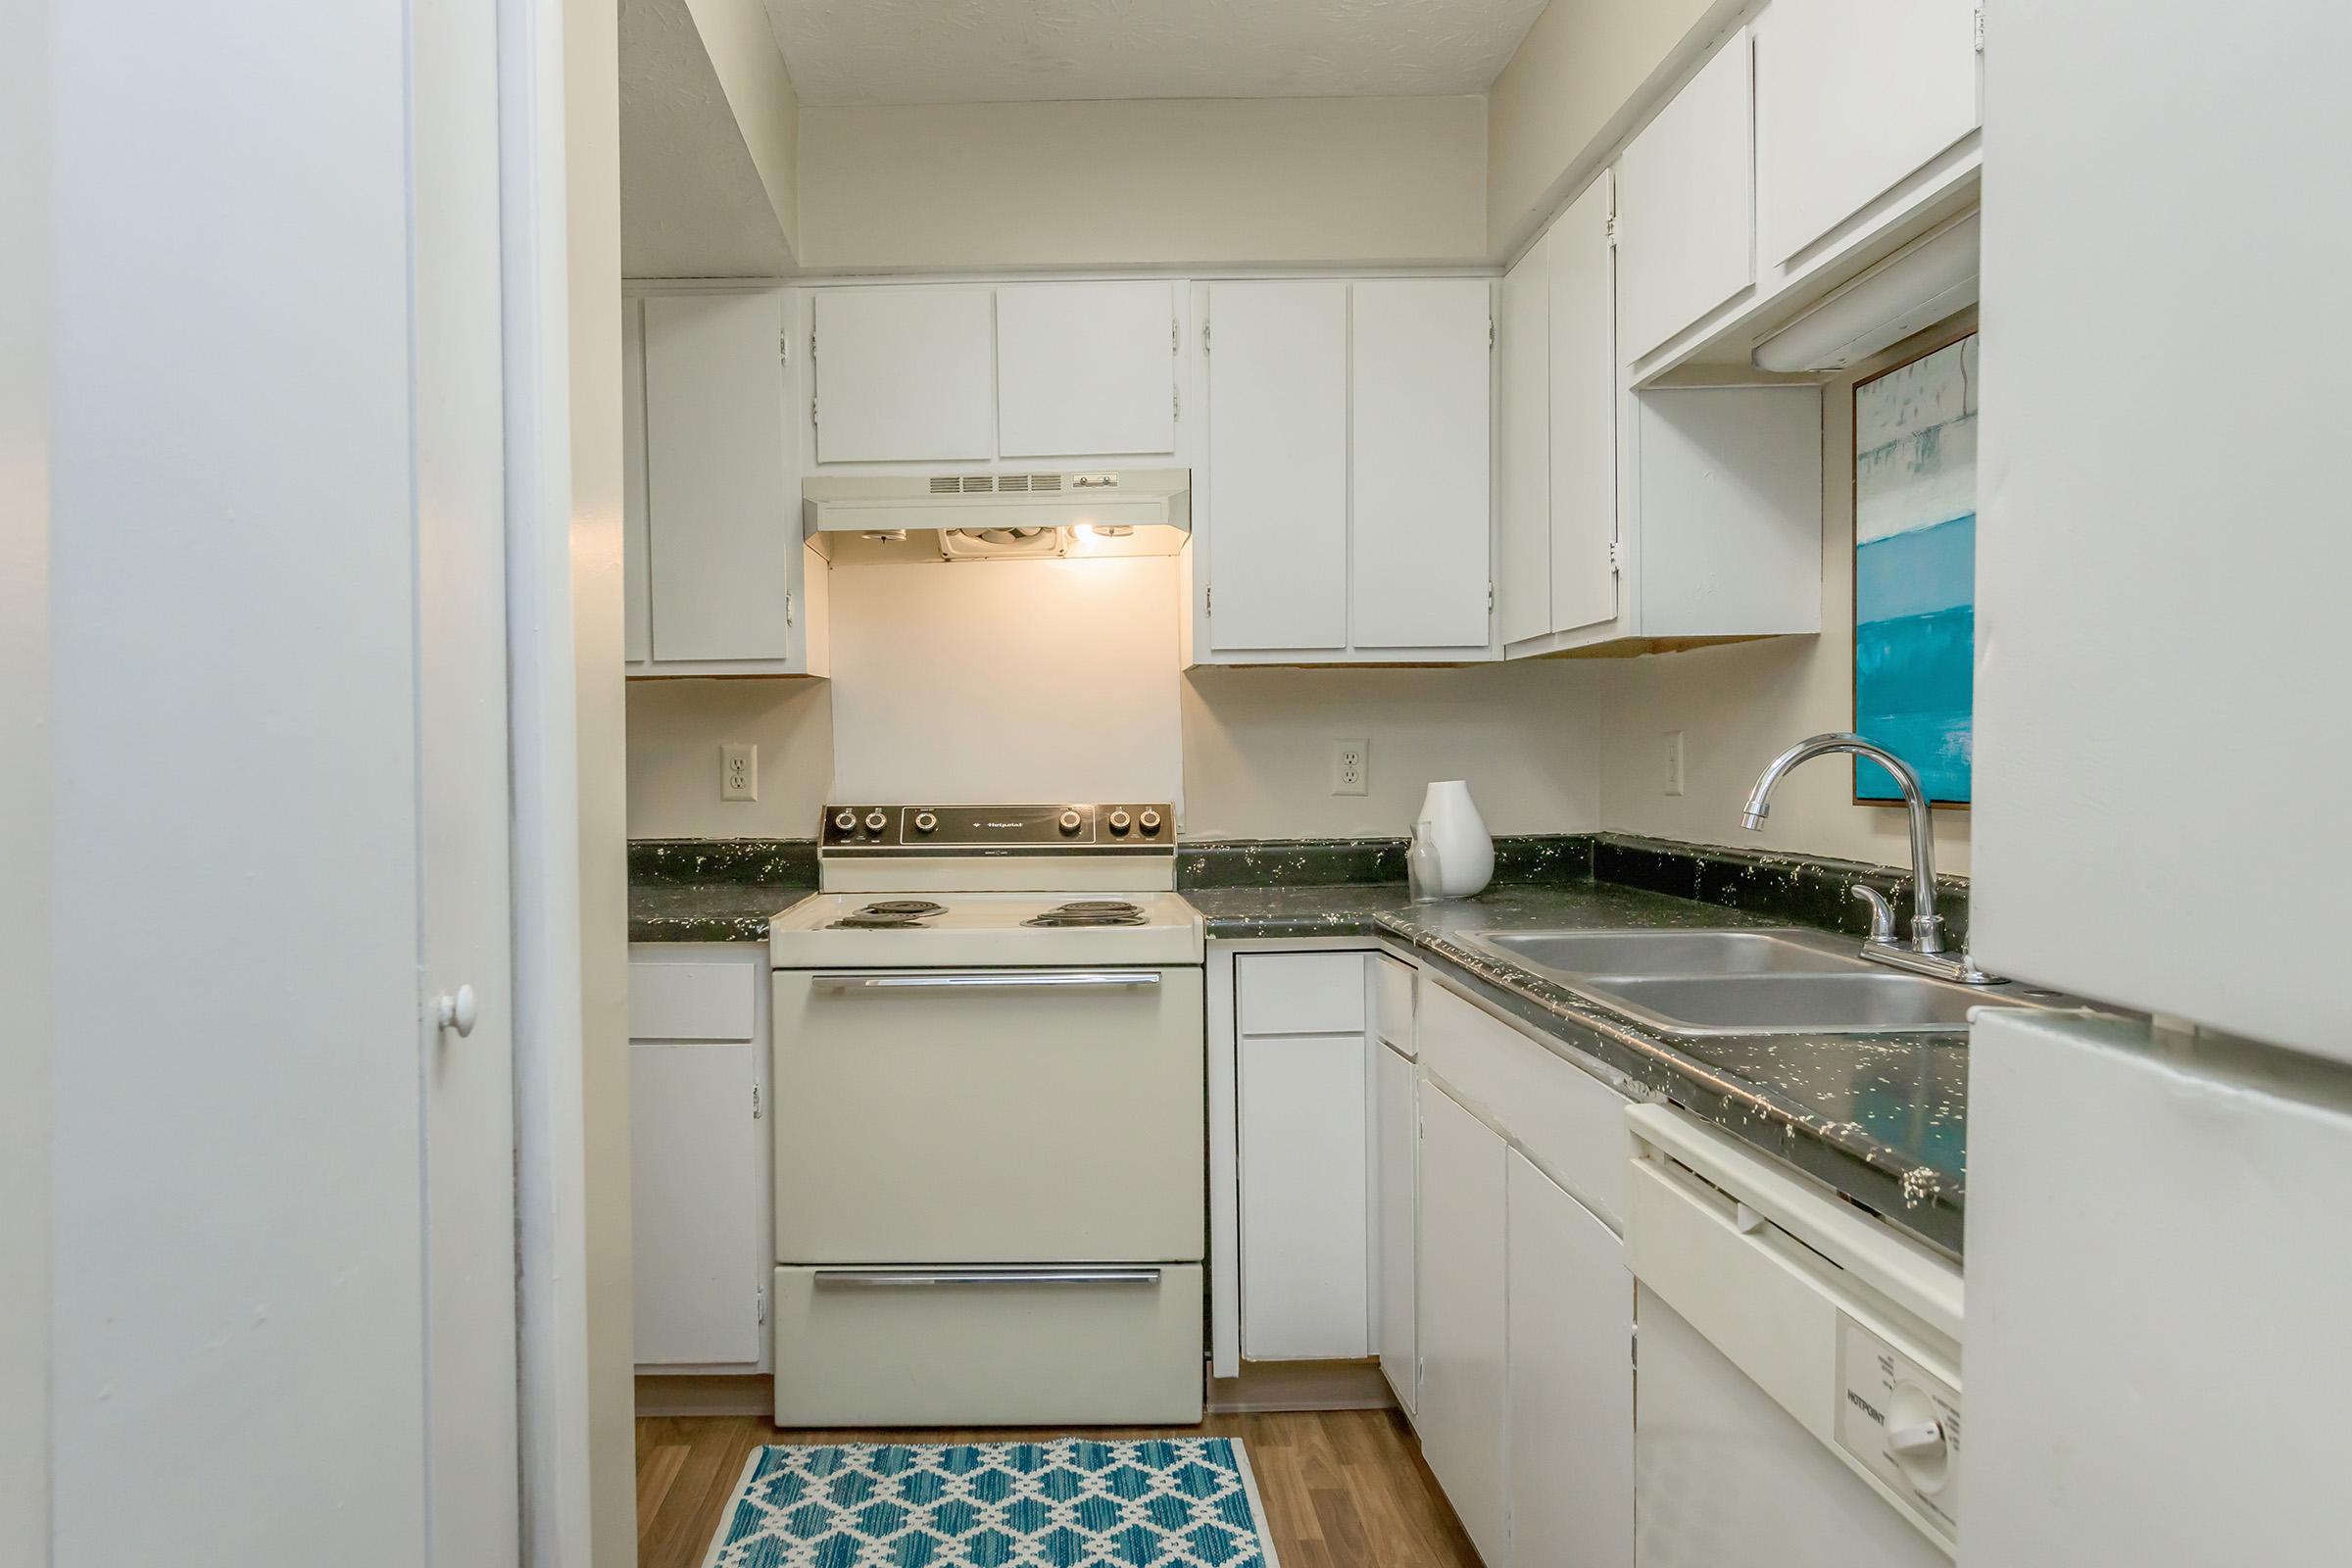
(1148, 822)
(925, 822)
(1118, 821)
(877, 819)
(1071, 821)
(844, 820)
(1915, 1438)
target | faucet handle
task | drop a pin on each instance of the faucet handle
(1882, 914)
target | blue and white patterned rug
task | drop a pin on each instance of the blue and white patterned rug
(1072, 1502)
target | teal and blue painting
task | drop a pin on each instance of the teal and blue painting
(1915, 570)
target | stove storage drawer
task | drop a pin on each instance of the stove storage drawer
(998, 1117)
(1076, 1346)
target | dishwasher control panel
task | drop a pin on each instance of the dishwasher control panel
(1901, 1423)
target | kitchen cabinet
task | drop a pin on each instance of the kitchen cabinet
(698, 1168)
(1276, 494)
(1461, 1316)
(1301, 1087)
(1851, 96)
(1421, 461)
(721, 581)
(1686, 218)
(1523, 447)
(1397, 1122)
(904, 373)
(1570, 1380)
(637, 610)
(1086, 369)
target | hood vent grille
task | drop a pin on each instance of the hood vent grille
(1002, 484)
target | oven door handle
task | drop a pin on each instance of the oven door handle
(993, 980)
(901, 1279)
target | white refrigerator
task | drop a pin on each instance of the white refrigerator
(2159, 1354)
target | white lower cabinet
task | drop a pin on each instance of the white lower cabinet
(1396, 1119)
(1461, 1316)
(1570, 1376)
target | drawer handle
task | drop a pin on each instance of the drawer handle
(898, 1278)
(1033, 980)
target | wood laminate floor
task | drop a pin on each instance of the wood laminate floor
(1342, 1488)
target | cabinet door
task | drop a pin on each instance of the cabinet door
(1398, 1121)
(1523, 340)
(1305, 1278)
(1583, 411)
(1421, 525)
(722, 495)
(1460, 1317)
(1685, 203)
(637, 614)
(693, 1192)
(1278, 465)
(1086, 369)
(1571, 1380)
(905, 374)
(1851, 96)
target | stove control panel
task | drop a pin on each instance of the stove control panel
(1113, 827)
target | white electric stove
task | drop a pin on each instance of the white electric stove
(990, 1125)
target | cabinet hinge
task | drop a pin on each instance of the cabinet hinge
(812, 412)
(1205, 337)
(1208, 601)
(1979, 24)
(1176, 401)
(784, 347)
(1490, 596)
(1490, 334)
(812, 345)
(1616, 559)
(760, 1303)
(787, 621)
(1612, 231)
(755, 1087)
(1175, 335)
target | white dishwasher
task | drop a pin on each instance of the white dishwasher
(1798, 1368)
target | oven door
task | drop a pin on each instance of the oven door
(989, 1115)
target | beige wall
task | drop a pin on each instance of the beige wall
(675, 730)
(1560, 101)
(742, 45)
(1740, 706)
(1159, 182)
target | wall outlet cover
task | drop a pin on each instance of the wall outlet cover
(739, 772)
(1351, 767)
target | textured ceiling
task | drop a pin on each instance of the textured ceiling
(994, 51)
(691, 201)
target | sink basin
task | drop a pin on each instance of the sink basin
(1848, 1003)
(1680, 953)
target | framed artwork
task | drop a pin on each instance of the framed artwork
(1915, 571)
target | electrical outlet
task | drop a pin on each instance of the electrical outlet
(739, 772)
(1351, 767)
(1674, 762)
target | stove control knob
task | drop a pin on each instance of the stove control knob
(1118, 821)
(925, 822)
(1148, 822)
(877, 819)
(1071, 821)
(1916, 1439)
(844, 820)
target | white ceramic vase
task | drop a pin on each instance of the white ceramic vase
(1465, 850)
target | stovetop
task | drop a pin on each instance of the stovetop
(955, 928)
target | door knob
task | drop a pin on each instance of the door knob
(457, 1012)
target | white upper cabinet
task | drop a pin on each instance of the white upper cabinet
(724, 566)
(1278, 465)
(1684, 203)
(1086, 369)
(1419, 574)
(1852, 96)
(905, 374)
(1581, 414)
(637, 611)
(1523, 543)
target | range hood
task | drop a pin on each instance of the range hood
(999, 517)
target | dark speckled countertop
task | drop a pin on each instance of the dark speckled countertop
(1880, 1119)
(707, 912)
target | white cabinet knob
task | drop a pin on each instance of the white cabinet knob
(457, 1013)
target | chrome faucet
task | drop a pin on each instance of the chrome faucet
(1925, 954)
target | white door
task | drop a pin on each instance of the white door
(636, 560)
(1461, 1316)
(1583, 410)
(472, 1456)
(694, 1202)
(904, 374)
(1086, 369)
(1278, 465)
(1571, 1380)
(1685, 205)
(1523, 543)
(1398, 1118)
(2158, 600)
(1851, 96)
(1305, 1229)
(723, 502)
(1420, 525)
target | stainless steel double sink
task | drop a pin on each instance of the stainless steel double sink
(1748, 982)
